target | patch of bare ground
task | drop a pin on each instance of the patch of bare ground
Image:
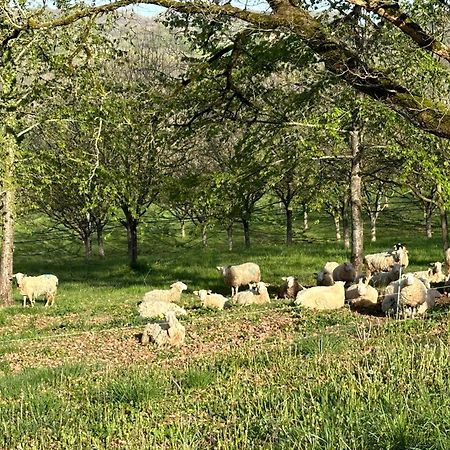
(120, 347)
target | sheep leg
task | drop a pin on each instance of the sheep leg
(24, 300)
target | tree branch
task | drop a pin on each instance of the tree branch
(391, 12)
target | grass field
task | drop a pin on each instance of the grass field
(74, 376)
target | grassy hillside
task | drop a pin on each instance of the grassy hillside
(74, 376)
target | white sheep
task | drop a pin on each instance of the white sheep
(322, 297)
(153, 308)
(257, 296)
(383, 262)
(406, 294)
(170, 332)
(211, 300)
(361, 295)
(325, 276)
(33, 287)
(166, 295)
(433, 275)
(289, 288)
(239, 275)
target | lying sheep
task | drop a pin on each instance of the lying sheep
(289, 288)
(344, 272)
(211, 300)
(361, 295)
(33, 287)
(383, 262)
(406, 294)
(325, 276)
(166, 295)
(240, 275)
(322, 297)
(256, 296)
(153, 308)
(170, 332)
(430, 303)
(433, 275)
(382, 279)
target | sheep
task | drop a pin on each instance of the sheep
(154, 308)
(361, 295)
(322, 297)
(33, 287)
(257, 296)
(344, 272)
(432, 295)
(325, 276)
(383, 262)
(170, 332)
(211, 300)
(407, 294)
(383, 279)
(289, 288)
(239, 275)
(433, 275)
(166, 295)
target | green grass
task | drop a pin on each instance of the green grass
(267, 377)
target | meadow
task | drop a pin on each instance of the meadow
(74, 376)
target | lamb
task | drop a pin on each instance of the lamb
(289, 288)
(322, 297)
(166, 295)
(383, 262)
(257, 296)
(239, 275)
(154, 308)
(33, 287)
(408, 294)
(211, 300)
(361, 295)
(170, 332)
(325, 276)
(382, 279)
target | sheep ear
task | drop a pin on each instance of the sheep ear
(209, 291)
(284, 278)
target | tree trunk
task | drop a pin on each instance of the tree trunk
(305, 218)
(356, 196)
(205, 234)
(428, 218)
(8, 185)
(337, 226)
(230, 237)
(444, 227)
(373, 228)
(100, 242)
(246, 225)
(183, 229)
(289, 232)
(87, 246)
(345, 225)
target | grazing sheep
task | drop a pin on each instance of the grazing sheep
(361, 295)
(325, 276)
(289, 288)
(382, 279)
(239, 275)
(170, 332)
(154, 308)
(413, 293)
(210, 300)
(33, 287)
(383, 262)
(166, 295)
(256, 296)
(433, 275)
(322, 297)
(344, 272)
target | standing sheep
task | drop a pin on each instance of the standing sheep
(289, 288)
(383, 262)
(240, 275)
(256, 296)
(322, 297)
(33, 287)
(166, 295)
(211, 300)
